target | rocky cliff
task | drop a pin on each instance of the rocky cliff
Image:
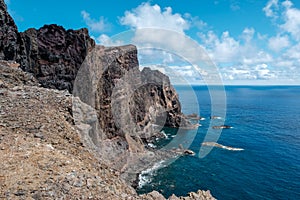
(9, 35)
(111, 116)
(54, 55)
(41, 150)
(128, 103)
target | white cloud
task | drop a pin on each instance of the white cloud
(95, 25)
(185, 71)
(247, 72)
(278, 43)
(248, 34)
(291, 17)
(271, 8)
(154, 27)
(148, 16)
(293, 53)
(157, 56)
(285, 16)
(224, 49)
(257, 58)
(181, 74)
(288, 4)
(263, 72)
(228, 49)
(245, 57)
(194, 21)
(105, 40)
(240, 58)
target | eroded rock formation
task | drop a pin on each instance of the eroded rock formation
(127, 102)
(8, 35)
(53, 54)
(116, 108)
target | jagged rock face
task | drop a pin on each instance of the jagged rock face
(41, 121)
(54, 55)
(118, 62)
(158, 91)
(127, 102)
(37, 130)
(8, 35)
(126, 99)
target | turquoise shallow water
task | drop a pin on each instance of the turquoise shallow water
(266, 121)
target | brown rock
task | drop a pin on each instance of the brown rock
(8, 35)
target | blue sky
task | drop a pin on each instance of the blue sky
(250, 41)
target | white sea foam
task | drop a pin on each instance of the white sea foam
(215, 117)
(145, 177)
(214, 144)
(152, 145)
(164, 134)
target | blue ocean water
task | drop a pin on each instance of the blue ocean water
(266, 121)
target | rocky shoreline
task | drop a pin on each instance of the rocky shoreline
(68, 128)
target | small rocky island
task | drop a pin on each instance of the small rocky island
(56, 142)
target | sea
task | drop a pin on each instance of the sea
(265, 124)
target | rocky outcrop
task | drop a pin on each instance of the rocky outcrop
(9, 35)
(62, 140)
(42, 155)
(128, 103)
(199, 195)
(126, 98)
(54, 55)
(41, 150)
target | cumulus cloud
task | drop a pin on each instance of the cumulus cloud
(226, 49)
(248, 34)
(285, 16)
(148, 16)
(293, 53)
(160, 28)
(240, 58)
(278, 43)
(245, 57)
(291, 18)
(105, 40)
(94, 25)
(271, 8)
(286, 42)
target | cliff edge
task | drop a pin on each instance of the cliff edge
(56, 138)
